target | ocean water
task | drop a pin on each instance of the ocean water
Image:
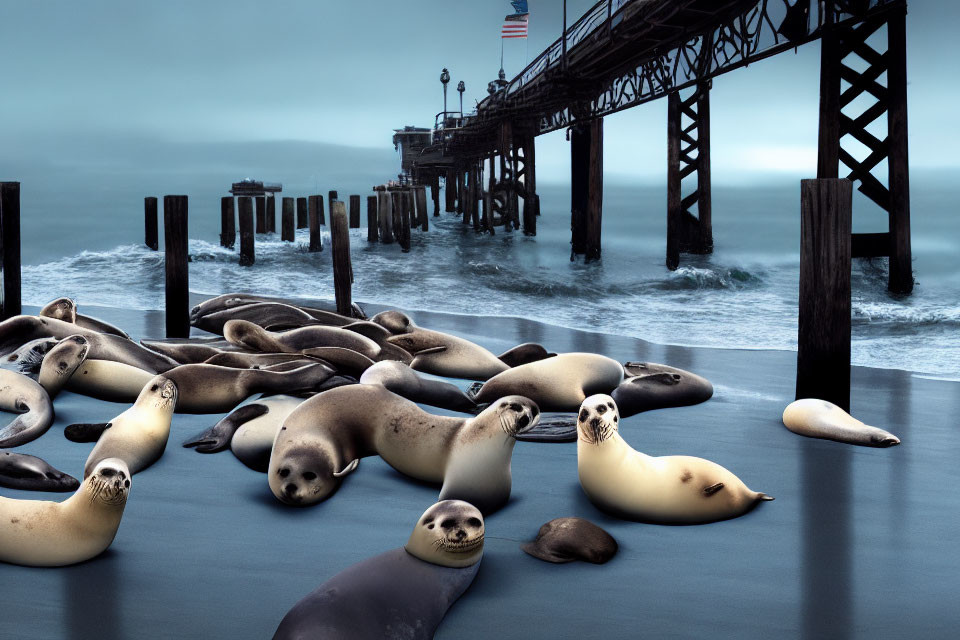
(744, 295)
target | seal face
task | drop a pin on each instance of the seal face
(449, 533)
(570, 539)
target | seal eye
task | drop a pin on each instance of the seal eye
(108, 473)
(309, 476)
(584, 414)
(602, 409)
(126, 484)
(473, 522)
(516, 407)
(62, 365)
(154, 388)
(284, 472)
(448, 524)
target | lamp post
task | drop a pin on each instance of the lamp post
(461, 88)
(444, 79)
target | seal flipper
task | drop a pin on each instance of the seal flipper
(217, 438)
(350, 468)
(85, 432)
(712, 489)
(429, 350)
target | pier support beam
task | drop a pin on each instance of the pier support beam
(342, 267)
(245, 219)
(842, 44)
(150, 229)
(435, 193)
(528, 172)
(287, 220)
(228, 230)
(261, 205)
(10, 249)
(688, 152)
(271, 214)
(303, 219)
(823, 344)
(373, 227)
(450, 191)
(316, 218)
(354, 212)
(586, 188)
(176, 258)
(508, 176)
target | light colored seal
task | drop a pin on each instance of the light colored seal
(254, 338)
(439, 353)
(48, 361)
(139, 435)
(666, 489)
(412, 587)
(405, 382)
(559, 383)
(66, 309)
(30, 473)
(821, 419)
(325, 437)
(20, 394)
(53, 534)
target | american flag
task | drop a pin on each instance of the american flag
(515, 25)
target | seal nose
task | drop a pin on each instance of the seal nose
(290, 490)
(461, 534)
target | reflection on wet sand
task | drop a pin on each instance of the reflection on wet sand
(94, 599)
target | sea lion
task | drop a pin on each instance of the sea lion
(203, 388)
(524, 354)
(27, 358)
(569, 539)
(439, 353)
(666, 489)
(66, 309)
(51, 373)
(657, 386)
(53, 534)
(242, 360)
(139, 435)
(30, 473)
(18, 330)
(403, 593)
(405, 382)
(821, 419)
(324, 438)
(22, 395)
(235, 300)
(272, 316)
(559, 383)
(251, 337)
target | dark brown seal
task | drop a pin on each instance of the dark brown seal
(570, 539)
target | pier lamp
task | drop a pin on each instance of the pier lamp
(444, 79)
(461, 88)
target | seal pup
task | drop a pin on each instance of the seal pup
(139, 435)
(413, 586)
(254, 338)
(666, 489)
(324, 438)
(441, 354)
(821, 419)
(66, 309)
(30, 473)
(569, 539)
(559, 383)
(405, 382)
(524, 354)
(39, 533)
(651, 386)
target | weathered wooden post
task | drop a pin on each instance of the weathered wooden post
(450, 191)
(404, 236)
(331, 198)
(271, 214)
(579, 192)
(396, 210)
(423, 217)
(373, 230)
(489, 208)
(303, 219)
(531, 201)
(316, 217)
(458, 205)
(435, 193)
(466, 199)
(245, 215)
(385, 214)
(150, 230)
(673, 181)
(340, 248)
(177, 306)
(354, 212)
(10, 248)
(823, 344)
(228, 231)
(531, 209)
(595, 191)
(261, 214)
(287, 230)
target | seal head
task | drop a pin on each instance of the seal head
(450, 534)
(598, 419)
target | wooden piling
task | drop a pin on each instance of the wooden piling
(373, 225)
(340, 248)
(287, 221)
(467, 200)
(475, 189)
(245, 215)
(271, 214)
(396, 210)
(150, 227)
(450, 191)
(435, 193)
(595, 191)
(331, 198)
(531, 201)
(261, 214)
(423, 217)
(704, 187)
(316, 219)
(354, 212)
(404, 236)
(823, 344)
(176, 257)
(458, 205)
(228, 231)
(303, 218)
(900, 276)
(10, 249)
(579, 189)
(673, 181)
(531, 209)
(385, 215)
(489, 226)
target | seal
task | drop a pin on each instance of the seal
(657, 386)
(29, 473)
(39, 533)
(66, 309)
(569, 539)
(272, 316)
(139, 435)
(821, 419)
(254, 338)
(51, 372)
(667, 490)
(524, 354)
(439, 353)
(235, 300)
(405, 382)
(559, 383)
(22, 395)
(413, 587)
(324, 438)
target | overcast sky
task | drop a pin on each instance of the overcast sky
(349, 72)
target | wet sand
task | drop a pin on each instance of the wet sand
(859, 543)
